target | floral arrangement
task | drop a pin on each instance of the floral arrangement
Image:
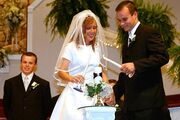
(98, 89)
(14, 24)
(14, 18)
(94, 88)
(34, 85)
(4, 61)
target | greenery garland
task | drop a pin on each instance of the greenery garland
(158, 16)
(174, 70)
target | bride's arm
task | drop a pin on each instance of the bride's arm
(66, 76)
(104, 76)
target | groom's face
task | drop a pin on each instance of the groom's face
(125, 19)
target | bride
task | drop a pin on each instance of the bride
(81, 53)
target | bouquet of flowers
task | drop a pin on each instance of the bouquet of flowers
(98, 88)
(94, 88)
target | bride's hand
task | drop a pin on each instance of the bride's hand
(77, 79)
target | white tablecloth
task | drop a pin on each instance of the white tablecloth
(175, 113)
(98, 112)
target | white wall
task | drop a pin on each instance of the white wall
(48, 51)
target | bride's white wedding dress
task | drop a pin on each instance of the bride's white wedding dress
(70, 99)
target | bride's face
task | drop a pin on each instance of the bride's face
(90, 29)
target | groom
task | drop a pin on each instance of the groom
(26, 102)
(143, 55)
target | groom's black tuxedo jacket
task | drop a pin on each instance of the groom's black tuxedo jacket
(30, 105)
(145, 89)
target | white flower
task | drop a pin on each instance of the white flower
(118, 108)
(132, 37)
(34, 85)
(116, 105)
(98, 79)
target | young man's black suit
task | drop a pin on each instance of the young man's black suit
(30, 105)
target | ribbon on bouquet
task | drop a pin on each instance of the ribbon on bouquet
(116, 64)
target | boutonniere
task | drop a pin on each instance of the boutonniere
(132, 37)
(34, 85)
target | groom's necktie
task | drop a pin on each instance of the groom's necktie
(129, 41)
(26, 82)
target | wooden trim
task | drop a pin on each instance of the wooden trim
(2, 116)
(173, 100)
